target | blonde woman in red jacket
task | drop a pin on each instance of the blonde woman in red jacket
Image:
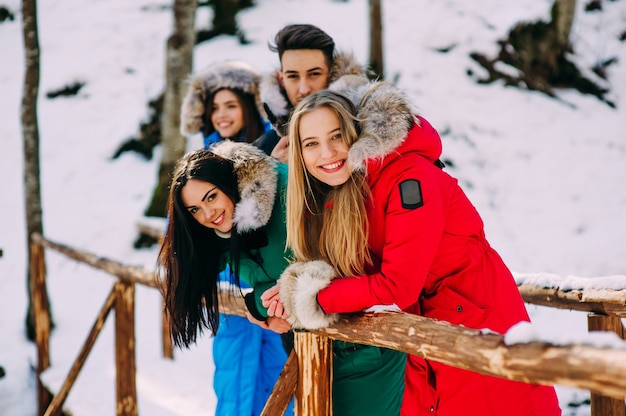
(366, 192)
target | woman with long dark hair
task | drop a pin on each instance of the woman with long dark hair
(226, 211)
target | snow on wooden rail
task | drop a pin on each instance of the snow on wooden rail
(577, 365)
(603, 295)
(130, 274)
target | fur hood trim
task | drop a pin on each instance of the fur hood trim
(237, 75)
(257, 180)
(344, 71)
(385, 114)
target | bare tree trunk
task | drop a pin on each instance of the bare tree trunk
(541, 47)
(225, 17)
(376, 40)
(540, 50)
(179, 60)
(563, 18)
(30, 133)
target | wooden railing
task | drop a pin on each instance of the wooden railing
(307, 372)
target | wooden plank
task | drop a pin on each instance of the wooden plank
(168, 349)
(125, 367)
(126, 273)
(231, 303)
(607, 302)
(576, 365)
(59, 399)
(150, 231)
(314, 385)
(581, 366)
(284, 389)
(604, 302)
(602, 405)
(39, 297)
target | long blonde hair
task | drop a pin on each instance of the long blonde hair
(325, 222)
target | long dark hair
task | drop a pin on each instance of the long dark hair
(188, 263)
(252, 120)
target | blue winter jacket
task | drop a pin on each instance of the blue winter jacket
(248, 359)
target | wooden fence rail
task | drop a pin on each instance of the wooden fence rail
(56, 406)
(602, 302)
(600, 370)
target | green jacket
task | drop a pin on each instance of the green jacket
(274, 255)
(262, 184)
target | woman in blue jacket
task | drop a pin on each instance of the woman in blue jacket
(222, 103)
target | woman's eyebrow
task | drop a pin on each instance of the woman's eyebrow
(208, 192)
(313, 137)
(203, 198)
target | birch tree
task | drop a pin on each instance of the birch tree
(179, 61)
(30, 135)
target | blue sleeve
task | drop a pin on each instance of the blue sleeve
(224, 276)
(211, 139)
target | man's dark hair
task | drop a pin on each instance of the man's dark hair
(303, 36)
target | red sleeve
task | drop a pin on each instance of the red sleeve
(410, 239)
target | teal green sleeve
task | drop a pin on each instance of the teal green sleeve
(275, 257)
(254, 303)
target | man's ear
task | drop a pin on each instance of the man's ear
(279, 76)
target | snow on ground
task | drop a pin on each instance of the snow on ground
(546, 175)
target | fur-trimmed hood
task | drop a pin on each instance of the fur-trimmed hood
(237, 75)
(386, 116)
(256, 181)
(344, 71)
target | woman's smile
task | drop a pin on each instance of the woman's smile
(219, 220)
(324, 151)
(333, 167)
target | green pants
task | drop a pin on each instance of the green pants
(367, 380)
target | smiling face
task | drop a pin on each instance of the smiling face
(208, 205)
(227, 114)
(324, 150)
(303, 72)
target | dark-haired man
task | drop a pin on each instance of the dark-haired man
(308, 63)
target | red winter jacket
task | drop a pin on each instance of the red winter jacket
(432, 259)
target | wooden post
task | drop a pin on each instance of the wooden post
(125, 368)
(284, 388)
(603, 405)
(39, 296)
(56, 405)
(168, 350)
(315, 371)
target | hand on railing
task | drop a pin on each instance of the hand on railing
(278, 325)
(299, 285)
(275, 306)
